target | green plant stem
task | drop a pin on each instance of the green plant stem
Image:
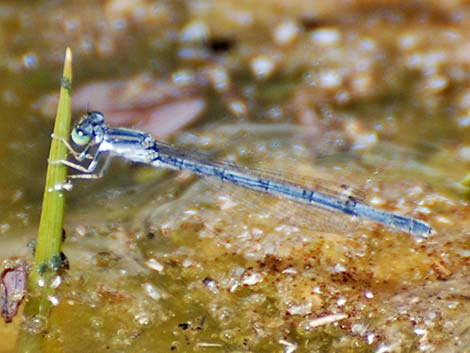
(47, 259)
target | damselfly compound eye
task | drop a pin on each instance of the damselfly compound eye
(81, 134)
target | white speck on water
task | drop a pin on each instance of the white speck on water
(436, 83)
(208, 345)
(262, 66)
(183, 77)
(189, 263)
(4, 227)
(339, 268)
(152, 291)
(210, 283)
(67, 186)
(56, 282)
(420, 331)
(370, 337)
(257, 231)
(142, 318)
(408, 41)
(377, 201)
(325, 36)
(442, 220)
(234, 287)
(423, 210)
(300, 309)
(290, 271)
(30, 60)
(238, 107)
(324, 320)
(226, 202)
(286, 32)
(289, 347)
(431, 315)
(329, 79)
(358, 329)
(252, 279)
(53, 300)
(154, 265)
(219, 78)
(341, 301)
(194, 31)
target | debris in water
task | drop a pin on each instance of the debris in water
(13, 288)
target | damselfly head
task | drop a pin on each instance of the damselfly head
(86, 128)
(96, 118)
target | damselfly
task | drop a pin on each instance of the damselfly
(92, 139)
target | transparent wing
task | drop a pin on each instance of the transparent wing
(340, 190)
(284, 211)
(296, 212)
(209, 200)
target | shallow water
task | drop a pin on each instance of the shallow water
(377, 99)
